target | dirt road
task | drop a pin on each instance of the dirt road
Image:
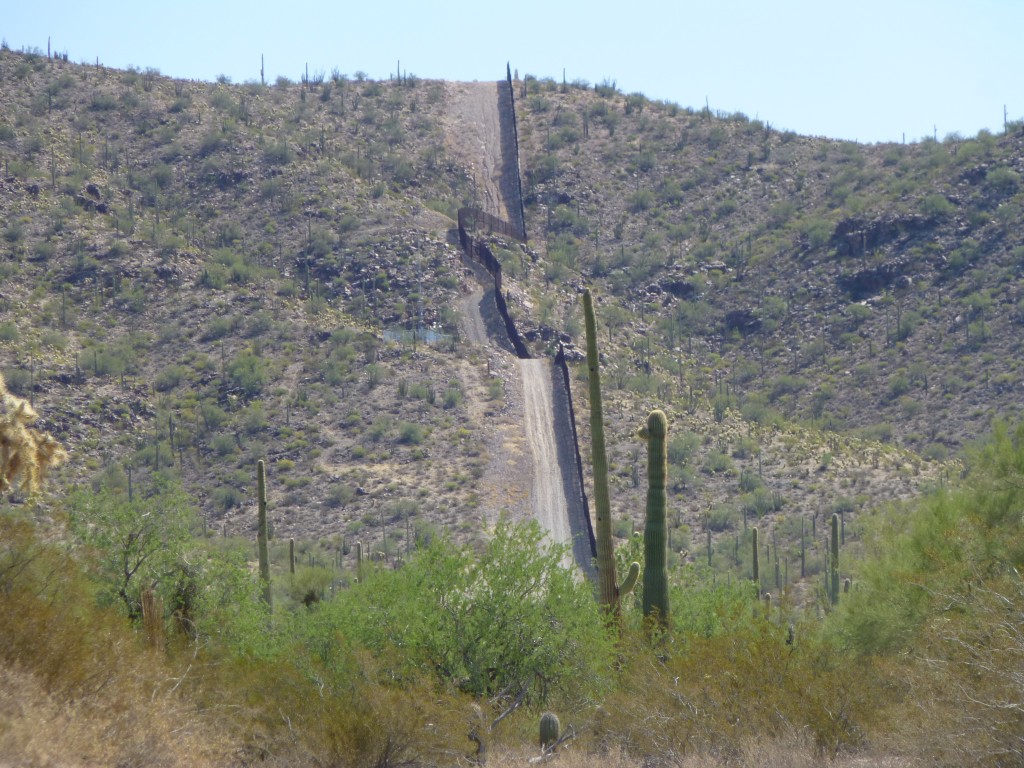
(548, 496)
(475, 136)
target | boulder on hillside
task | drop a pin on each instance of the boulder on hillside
(681, 289)
(743, 320)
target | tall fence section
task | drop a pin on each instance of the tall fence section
(471, 221)
(515, 144)
(478, 251)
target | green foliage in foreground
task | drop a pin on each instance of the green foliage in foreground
(135, 542)
(929, 556)
(941, 590)
(510, 623)
(926, 653)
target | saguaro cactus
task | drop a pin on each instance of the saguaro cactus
(261, 532)
(550, 730)
(608, 591)
(756, 575)
(834, 562)
(655, 600)
(803, 548)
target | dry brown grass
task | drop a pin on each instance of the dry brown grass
(77, 685)
(119, 726)
(756, 754)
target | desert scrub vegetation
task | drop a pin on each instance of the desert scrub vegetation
(372, 665)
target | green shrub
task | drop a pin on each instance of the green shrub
(411, 433)
(278, 153)
(170, 377)
(9, 331)
(717, 462)
(482, 624)
(248, 372)
(223, 445)
(937, 206)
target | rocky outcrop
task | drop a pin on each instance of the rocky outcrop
(868, 282)
(743, 320)
(856, 236)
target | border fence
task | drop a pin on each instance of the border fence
(515, 141)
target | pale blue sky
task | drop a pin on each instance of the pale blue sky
(871, 70)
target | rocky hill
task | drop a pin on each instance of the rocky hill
(198, 275)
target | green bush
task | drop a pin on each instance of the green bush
(248, 372)
(278, 153)
(717, 462)
(682, 446)
(170, 377)
(137, 541)
(937, 206)
(9, 331)
(411, 433)
(511, 623)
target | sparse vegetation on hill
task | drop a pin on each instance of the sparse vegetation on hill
(197, 277)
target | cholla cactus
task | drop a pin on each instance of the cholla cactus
(25, 453)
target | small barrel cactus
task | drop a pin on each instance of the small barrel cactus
(550, 730)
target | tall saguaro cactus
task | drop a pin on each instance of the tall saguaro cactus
(655, 601)
(608, 591)
(803, 548)
(754, 565)
(261, 533)
(834, 562)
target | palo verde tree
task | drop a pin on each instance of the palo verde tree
(138, 542)
(510, 624)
